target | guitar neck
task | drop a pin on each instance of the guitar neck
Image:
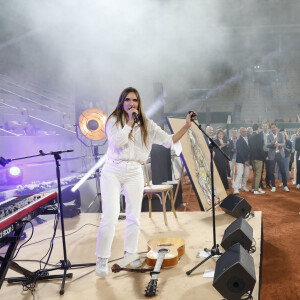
(158, 265)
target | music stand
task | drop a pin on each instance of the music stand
(65, 263)
(215, 248)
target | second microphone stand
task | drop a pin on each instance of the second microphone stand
(215, 248)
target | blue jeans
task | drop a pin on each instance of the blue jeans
(280, 162)
(286, 167)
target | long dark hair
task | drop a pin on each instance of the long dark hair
(119, 112)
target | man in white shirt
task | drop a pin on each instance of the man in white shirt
(242, 162)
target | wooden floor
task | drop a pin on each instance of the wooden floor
(194, 227)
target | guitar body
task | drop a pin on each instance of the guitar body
(175, 247)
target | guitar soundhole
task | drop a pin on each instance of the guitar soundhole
(163, 250)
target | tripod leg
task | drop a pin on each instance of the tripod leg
(202, 262)
(62, 289)
(39, 278)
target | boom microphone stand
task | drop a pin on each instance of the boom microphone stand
(215, 248)
(65, 263)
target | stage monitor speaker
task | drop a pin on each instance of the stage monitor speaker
(236, 206)
(238, 231)
(234, 273)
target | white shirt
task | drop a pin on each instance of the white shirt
(123, 148)
(265, 141)
(275, 136)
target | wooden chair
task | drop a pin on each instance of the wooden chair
(163, 191)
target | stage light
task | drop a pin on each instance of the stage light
(14, 171)
(89, 173)
(92, 124)
(14, 175)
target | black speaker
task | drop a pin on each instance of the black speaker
(71, 202)
(234, 273)
(238, 231)
(160, 164)
(236, 206)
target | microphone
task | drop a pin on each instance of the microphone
(135, 116)
(193, 114)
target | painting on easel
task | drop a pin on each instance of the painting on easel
(196, 158)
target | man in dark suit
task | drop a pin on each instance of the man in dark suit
(276, 144)
(266, 163)
(256, 155)
(242, 162)
(297, 149)
(209, 131)
(232, 152)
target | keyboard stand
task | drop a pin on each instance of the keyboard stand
(6, 261)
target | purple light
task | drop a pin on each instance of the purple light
(14, 171)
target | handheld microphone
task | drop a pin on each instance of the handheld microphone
(193, 115)
(135, 117)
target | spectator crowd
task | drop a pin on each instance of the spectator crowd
(270, 152)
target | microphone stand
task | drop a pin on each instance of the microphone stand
(215, 248)
(65, 263)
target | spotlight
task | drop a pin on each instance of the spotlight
(14, 171)
(14, 175)
(92, 124)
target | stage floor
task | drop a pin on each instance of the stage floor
(194, 227)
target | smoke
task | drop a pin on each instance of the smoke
(104, 46)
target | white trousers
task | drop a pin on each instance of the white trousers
(115, 177)
(232, 168)
(242, 174)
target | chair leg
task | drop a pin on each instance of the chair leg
(150, 204)
(173, 203)
(164, 207)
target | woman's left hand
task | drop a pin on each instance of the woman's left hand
(189, 119)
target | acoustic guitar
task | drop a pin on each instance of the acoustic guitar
(163, 253)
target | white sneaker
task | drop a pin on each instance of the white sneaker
(261, 191)
(102, 266)
(281, 184)
(273, 189)
(245, 189)
(298, 187)
(256, 193)
(134, 264)
(236, 192)
(286, 189)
